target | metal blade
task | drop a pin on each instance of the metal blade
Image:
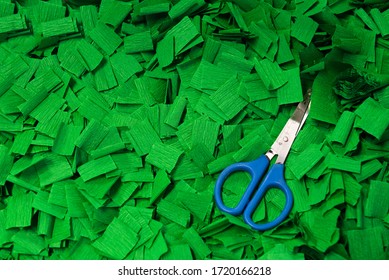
(282, 145)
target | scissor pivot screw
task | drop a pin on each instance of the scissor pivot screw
(286, 139)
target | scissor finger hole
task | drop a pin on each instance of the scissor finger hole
(234, 187)
(270, 207)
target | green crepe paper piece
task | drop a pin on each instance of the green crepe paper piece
(176, 111)
(372, 118)
(180, 38)
(64, 142)
(75, 202)
(198, 204)
(96, 167)
(209, 76)
(125, 66)
(89, 17)
(41, 203)
(114, 13)
(154, 9)
(300, 196)
(380, 20)
(91, 136)
(320, 229)
(105, 38)
(220, 163)
(42, 140)
(143, 137)
(343, 163)
(352, 189)
(12, 23)
(139, 42)
(284, 54)
(281, 252)
(111, 143)
(196, 243)
(90, 56)
(9, 126)
(22, 183)
(91, 110)
(69, 58)
(123, 192)
(237, 14)
(205, 106)
(22, 142)
(201, 156)
(127, 162)
(158, 248)
(173, 212)
(305, 161)
(270, 73)
(363, 15)
(53, 168)
(161, 182)
(229, 241)
(205, 132)
(304, 29)
(323, 101)
(7, 9)
(127, 216)
(366, 244)
(58, 27)
(19, 210)
(58, 194)
(117, 241)
(343, 128)
(269, 106)
(61, 230)
(151, 90)
(368, 169)
(265, 41)
(185, 7)
(318, 191)
(186, 169)
(5, 234)
(253, 88)
(81, 250)
(253, 145)
(345, 39)
(104, 76)
(308, 135)
(28, 242)
(47, 108)
(163, 156)
(292, 91)
(178, 252)
(234, 62)
(48, 11)
(226, 99)
(382, 96)
(6, 164)
(231, 135)
(37, 96)
(51, 127)
(377, 201)
(354, 84)
(144, 174)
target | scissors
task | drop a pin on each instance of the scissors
(274, 178)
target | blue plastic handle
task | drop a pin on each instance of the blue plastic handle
(255, 168)
(274, 179)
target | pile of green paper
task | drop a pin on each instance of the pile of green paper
(117, 117)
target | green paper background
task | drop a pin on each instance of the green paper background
(117, 117)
